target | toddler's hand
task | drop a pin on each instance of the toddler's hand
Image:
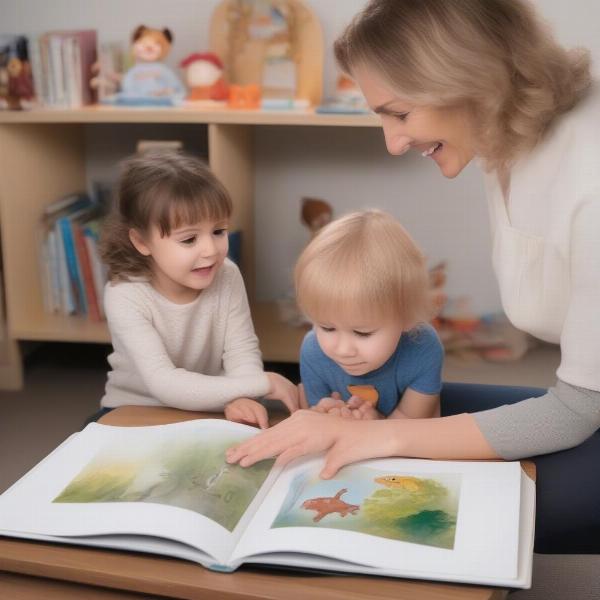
(284, 390)
(245, 410)
(357, 408)
(325, 405)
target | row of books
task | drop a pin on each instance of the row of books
(61, 65)
(73, 276)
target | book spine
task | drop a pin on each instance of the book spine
(67, 301)
(48, 83)
(54, 271)
(35, 59)
(45, 275)
(86, 272)
(72, 266)
(98, 269)
(88, 52)
(68, 73)
(57, 74)
(78, 82)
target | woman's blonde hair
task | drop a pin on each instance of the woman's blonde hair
(163, 189)
(496, 57)
(360, 266)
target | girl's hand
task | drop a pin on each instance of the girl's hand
(245, 410)
(283, 390)
(309, 432)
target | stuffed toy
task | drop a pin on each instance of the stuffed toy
(16, 83)
(204, 77)
(150, 81)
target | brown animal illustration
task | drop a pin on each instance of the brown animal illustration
(333, 504)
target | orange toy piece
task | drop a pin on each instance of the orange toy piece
(244, 96)
(367, 393)
(327, 506)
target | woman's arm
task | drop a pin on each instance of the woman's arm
(415, 405)
(346, 441)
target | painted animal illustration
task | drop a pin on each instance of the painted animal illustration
(328, 505)
(410, 484)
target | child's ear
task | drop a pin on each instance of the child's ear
(138, 242)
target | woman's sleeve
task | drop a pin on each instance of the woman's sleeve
(570, 412)
(131, 324)
(563, 418)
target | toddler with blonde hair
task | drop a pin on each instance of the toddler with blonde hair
(363, 283)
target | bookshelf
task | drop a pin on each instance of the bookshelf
(43, 156)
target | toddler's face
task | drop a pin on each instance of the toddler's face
(186, 261)
(359, 347)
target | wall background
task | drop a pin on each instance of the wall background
(349, 169)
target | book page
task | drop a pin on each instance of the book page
(166, 481)
(400, 516)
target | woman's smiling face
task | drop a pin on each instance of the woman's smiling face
(444, 135)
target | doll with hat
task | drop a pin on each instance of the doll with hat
(204, 77)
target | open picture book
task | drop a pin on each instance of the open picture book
(167, 490)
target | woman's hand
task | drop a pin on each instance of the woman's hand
(245, 410)
(309, 432)
(284, 390)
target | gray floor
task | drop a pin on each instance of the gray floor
(64, 384)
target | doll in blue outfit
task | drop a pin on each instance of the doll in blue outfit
(363, 283)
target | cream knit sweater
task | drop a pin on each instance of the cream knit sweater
(195, 356)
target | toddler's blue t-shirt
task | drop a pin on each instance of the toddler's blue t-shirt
(416, 364)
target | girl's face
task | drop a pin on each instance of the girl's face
(444, 135)
(359, 347)
(186, 261)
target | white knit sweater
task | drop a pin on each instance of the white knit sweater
(195, 356)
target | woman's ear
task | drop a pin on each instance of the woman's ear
(136, 238)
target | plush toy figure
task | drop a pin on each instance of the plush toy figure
(150, 81)
(20, 84)
(204, 77)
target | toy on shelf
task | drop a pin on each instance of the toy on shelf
(16, 83)
(276, 45)
(244, 96)
(314, 215)
(108, 70)
(469, 336)
(204, 77)
(150, 82)
(348, 99)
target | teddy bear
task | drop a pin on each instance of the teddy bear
(150, 81)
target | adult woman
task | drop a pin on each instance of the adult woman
(459, 79)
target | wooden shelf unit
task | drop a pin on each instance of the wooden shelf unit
(43, 156)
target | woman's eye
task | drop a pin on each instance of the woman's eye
(189, 241)
(364, 334)
(220, 231)
(400, 116)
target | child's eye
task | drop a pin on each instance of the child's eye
(220, 232)
(364, 334)
(189, 241)
(327, 329)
